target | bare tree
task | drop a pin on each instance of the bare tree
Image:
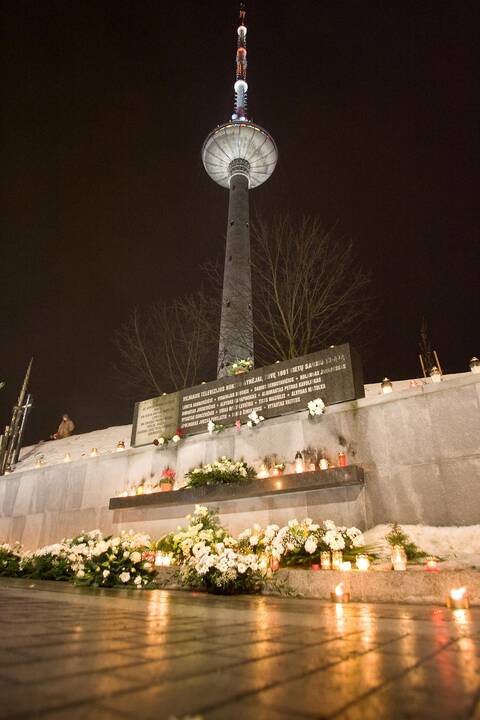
(167, 347)
(309, 291)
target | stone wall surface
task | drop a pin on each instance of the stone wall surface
(420, 449)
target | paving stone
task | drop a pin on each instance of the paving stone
(100, 656)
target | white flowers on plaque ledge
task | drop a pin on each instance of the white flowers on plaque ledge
(254, 419)
(316, 407)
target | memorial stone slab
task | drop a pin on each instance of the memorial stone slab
(154, 418)
(334, 375)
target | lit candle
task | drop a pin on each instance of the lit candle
(398, 558)
(325, 560)
(362, 562)
(67, 458)
(386, 386)
(263, 472)
(431, 564)
(435, 374)
(337, 559)
(93, 452)
(475, 365)
(323, 464)
(458, 599)
(339, 595)
(346, 566)
(413, 383)
(163, 559)
(274, 565)
(312, 467)
(342, 459)
(120, 446)
(315, 566)
(276, 472)
(299, 464)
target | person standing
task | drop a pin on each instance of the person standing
(65, 429)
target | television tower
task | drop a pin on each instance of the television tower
(238, 155)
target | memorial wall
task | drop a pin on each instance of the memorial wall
(335, 375)
(419, 450)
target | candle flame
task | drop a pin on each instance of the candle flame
(458, 593)
(339, 589)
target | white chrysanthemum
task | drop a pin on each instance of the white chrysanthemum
(124, 577)
(135, 557)
(310, 545)
(100, 548)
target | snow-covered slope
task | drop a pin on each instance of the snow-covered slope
(457, 545)
(77, 446)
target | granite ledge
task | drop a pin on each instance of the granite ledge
(281, 485)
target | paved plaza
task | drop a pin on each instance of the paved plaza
(112, 654)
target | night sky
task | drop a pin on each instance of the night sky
(105, 203)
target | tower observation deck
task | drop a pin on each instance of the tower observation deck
(238, 155)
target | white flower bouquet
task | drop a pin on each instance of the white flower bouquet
(92, 559)
(254, 419)
(221, 472)
(209, 558)
(316, 408)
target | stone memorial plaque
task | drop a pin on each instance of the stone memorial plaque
(155, 418)
(335, 375)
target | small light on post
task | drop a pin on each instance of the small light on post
(435, 374)
(299, 464)
(94, 452)
(474, 365)
(120, 446)
(386, 386)
(362, 562)
(399, 558)
(458, 599)
(339, 595)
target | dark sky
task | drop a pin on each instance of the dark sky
(105, 203)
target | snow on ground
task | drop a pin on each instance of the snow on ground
(79, 446)
(458, 546)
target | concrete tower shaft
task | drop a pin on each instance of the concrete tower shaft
(236, 324)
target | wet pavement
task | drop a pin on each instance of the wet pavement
(77, 654)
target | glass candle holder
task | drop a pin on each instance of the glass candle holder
(362, 562)
(399, 558)
(326, 560)
(337, 559)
